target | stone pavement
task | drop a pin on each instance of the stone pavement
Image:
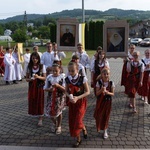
(126, 130)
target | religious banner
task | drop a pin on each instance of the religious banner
(20, 52)
(82, 34)
(115, 38)
(67, 34)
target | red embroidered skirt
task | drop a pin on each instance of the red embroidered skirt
(102, 113)
(133, 85)
(144, 89)
(76, 115)
(149, 93)
(2, 66)
(35, 99)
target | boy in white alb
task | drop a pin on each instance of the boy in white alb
(9, 62)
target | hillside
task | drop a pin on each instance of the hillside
(89, 14)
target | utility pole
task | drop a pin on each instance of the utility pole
(25, 19)
(83, 12)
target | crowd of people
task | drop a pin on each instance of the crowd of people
(44, 73)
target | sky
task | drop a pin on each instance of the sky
(10, 8)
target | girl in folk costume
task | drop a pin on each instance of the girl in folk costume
(100, 63)
(143, 90)
(76, 89)
(18, 66)
(26, 60)
(9, 62)
(2, 66)
(124, 69)
(94, 57)
(104, 93)
(55, 86)
(135, 69)
(81, 69)
(36, 75)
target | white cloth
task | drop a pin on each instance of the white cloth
(40, 54)
(81, 70)
(47, 59)
(115, 38)
(130, 56)
(75, 77)
(134, 64)
(54, 80)
(147, 62)
(58, 56)
(9, 62)
(101, 64)
(92, 61)
(36, 70)
(26, 62)
(105, 84)
(18, 67)
(83, 59)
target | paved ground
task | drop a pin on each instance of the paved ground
(126, 130)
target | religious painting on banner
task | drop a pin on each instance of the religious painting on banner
(115, 38)
(67, 34)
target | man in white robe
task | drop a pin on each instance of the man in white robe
(9, 62)
(57, 55)
(47, 57)
(36, 49)
(83, 56)
(17, 65)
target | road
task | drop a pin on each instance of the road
(126, 130)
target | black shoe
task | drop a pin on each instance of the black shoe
(84, 133)
(8, 83)
(15, 82)
(77, 144)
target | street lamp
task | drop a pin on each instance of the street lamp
(83, 12)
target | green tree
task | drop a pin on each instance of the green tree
(98, 34)
(91, 34)
(20, 35)
(44, 32)
(86, 36)
(52, 32)
(1, 30)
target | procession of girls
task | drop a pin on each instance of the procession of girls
(72, 90)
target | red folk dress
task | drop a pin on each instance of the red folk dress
(148, 93)
(77, 110)
(2, 66)
(97, 67)
(103, 107)
(125, 74)
(143, 90)
(36, 92)
(133, 79)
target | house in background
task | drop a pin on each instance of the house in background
(5, 38)
(140, 29)
(7, 32)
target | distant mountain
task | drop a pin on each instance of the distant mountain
(21, 17)
(89, 14)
